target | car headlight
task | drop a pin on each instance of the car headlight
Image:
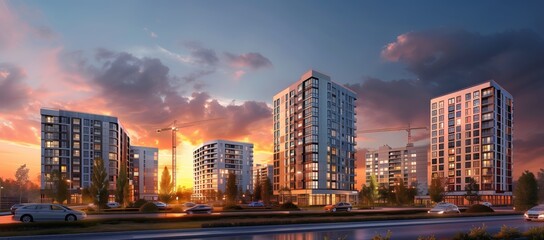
(540, 215)
(441, 212)
(526, 215)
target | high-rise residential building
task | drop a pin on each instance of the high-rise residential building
(261, 172)
(213, 161)
(314, 141)
(390, 165)
(70, 141)
(145, 164)
(471, 137)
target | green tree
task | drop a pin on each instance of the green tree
(165, 193)
(231, 188)
(526, 192)
(61, 193)
(373, 189)
(257, 189)
(472, 189)
(436, 189)
(540, 179)
(384, 193)
(267, 191)
(122, 193)
(184, 194)
(21, 176)
(99, 186)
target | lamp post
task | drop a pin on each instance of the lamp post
(1, 187)
(69, 200)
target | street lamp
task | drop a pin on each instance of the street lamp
(1, 187)
(69, 200)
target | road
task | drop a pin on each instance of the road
(443, 228)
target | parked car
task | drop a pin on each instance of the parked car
(444, 208)
(339, 206)
(47, 212)
(256, 204)
(535, 213)
(487, 204)
(199, 208)
(15, 206)
(113, 204)
(161, 205)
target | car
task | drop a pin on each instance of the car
(199, 208)
(161, 205)
(535, 213)
(487, 204)
(47, 212)
(444, 208)
(339, 206)
(113, 204)
(255, 204)
(15, 206)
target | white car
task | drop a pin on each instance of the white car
(444, 208)
(161, 205)
(47, 212)
(487, 204)
(113, 204)
(535, 213)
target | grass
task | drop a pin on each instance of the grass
(206, 221)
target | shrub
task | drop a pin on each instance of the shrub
(177, 209)
(149, 208)
(139, 203)
(508, 233)
(432, 237)
(289, 206)
(232, 207)
(478, 208)
(535, 233)
(386, 237)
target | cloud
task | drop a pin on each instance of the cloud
(202, 55)
(446, 60)
(248, 60)
(14, 93)
(239, 74)
(151, 33)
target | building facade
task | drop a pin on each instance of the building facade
(145, 162)
(213, 161)
(261, 172)
(314, 141)
(471, 137)
(390, 165)
(70, 141)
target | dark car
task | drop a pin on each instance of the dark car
(199, 208)
(340, 206)
(15, 206)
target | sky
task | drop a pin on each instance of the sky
(152, 62)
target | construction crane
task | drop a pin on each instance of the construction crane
(408, 129)
(174, 128)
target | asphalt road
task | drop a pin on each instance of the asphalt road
(443, 228)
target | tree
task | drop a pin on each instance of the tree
(165, 193)
(384, 193)
(472, 189)
(61, 187)
(283, 191)
(122, 193)
(267, 191)
(373, 189)
(400, 192)
(540, 180)
(184, 194)
(257, 190)
(436, 189)
(526, 192)
(231, 188)
(99, 186)
(21, 176)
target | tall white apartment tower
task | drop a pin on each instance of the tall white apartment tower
(212, 163)
(71, 141)
(314, 141)
(471, 137)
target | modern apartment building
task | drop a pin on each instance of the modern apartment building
(145, 164)
(70, 141)
(471, 137)
(212, 163)
(314, 141)
(262, 171)
(390, 165)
